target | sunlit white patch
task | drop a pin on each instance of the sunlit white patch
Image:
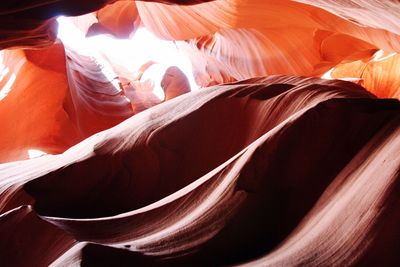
(70, 35)
(328, 76)
(380, 55)
(75, 40)
(349, 79)
(131, 53)
(3, 71)
(34, 153)
(7, 87)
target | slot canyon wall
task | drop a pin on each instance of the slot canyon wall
(288, 153)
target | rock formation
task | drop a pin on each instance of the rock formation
(287, 155)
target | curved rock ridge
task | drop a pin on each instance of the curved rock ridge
(109, 159)
(268, 171)
(72, 96)
(378, 75)
(227, 40)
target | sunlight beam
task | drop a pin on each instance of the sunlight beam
(131, 53)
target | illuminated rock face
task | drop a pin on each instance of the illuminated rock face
(258, 167)
(33, 113)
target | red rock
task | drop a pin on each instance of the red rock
(234, 194)
(254, 169)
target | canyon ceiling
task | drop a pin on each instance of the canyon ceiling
(281, 147)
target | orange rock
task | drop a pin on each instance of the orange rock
(254, 169)
(32, 114)
(380, 77)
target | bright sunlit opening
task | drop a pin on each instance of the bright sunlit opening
(131, 54)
